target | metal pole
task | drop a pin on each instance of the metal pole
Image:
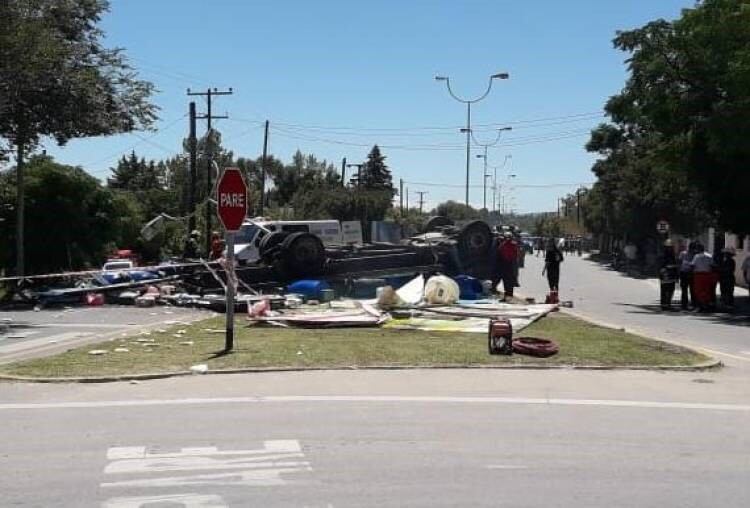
(484, 188)
(343, 172)
(468, 148)
(209, 159)
(229, 339)
(20, 208)
(407, 200)
(263, 169)
(193, 147)
(494, 190)
(401, 195)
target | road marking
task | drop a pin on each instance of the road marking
(184, 500)
(262, 467)
(249, 478)
(378, 398)
(505, 466)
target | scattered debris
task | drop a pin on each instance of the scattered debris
(199, 369)
(121, 350)
(98, 352)
(186, 343)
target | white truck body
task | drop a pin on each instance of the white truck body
(330, 232)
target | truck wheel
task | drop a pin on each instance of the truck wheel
(474, 241)
(270, 244)
(436, 222)
(303, 255)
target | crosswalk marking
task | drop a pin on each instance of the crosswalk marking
(264, 467)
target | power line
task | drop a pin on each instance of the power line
(515, 186)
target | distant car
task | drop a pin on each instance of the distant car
(118, 265)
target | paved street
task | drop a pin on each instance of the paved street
(602, 294)
(56, 329)
(413, 438)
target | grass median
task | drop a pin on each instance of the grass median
(179, 347)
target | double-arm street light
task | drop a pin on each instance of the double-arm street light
(484, 156)
(467, 130)
(494, 180)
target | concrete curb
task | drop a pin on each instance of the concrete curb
(708, 365)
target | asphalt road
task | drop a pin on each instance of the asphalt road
(414, 438)
(604, 295)
(56, 329)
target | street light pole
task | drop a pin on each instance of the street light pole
(469, 102)
(480, 156)
(494, 182)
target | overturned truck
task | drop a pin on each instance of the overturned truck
(271, 254)
(275, 253)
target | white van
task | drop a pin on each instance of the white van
(330, 232)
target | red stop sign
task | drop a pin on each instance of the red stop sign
(231, 199)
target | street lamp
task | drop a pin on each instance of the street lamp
(467, 130)
(484, 156)
(494, 181)
(502, 196)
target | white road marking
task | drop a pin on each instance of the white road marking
(259, 467)
(139, 452)
(201, 463)
(376, 398)
(184, 500)
(505, 466)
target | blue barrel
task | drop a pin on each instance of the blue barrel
(310, 289)
(470, 288)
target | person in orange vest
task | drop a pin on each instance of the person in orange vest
(507, 259)
(217, 246)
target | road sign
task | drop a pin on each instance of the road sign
(231, 199)
(662, 226)
(231, 202)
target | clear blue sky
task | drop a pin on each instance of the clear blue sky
(336, 77)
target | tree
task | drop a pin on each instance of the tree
(57, 79)
(73, 220)
(456, 211)
(688, 93)
(374, 174)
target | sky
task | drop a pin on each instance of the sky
(335, 77)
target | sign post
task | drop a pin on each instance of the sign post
(231, 203)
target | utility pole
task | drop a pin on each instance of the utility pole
(20, 206)
(359, 173)
(407, 199)
(193, 147)
(401, 195)
(209, 93)
(578, 207)
(263, 170)
(343, 172)
(421, 199)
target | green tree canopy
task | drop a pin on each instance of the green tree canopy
(688, 100)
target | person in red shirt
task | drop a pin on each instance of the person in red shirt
(507, 260)
(217, 246)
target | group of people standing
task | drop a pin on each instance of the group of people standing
(509, 258)
(698, 273)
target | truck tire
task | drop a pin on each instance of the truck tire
(532, 346)
(302, 255)
(436, 222)
(474, 241)
(270, 245)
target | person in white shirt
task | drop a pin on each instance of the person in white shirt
(704, 278)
